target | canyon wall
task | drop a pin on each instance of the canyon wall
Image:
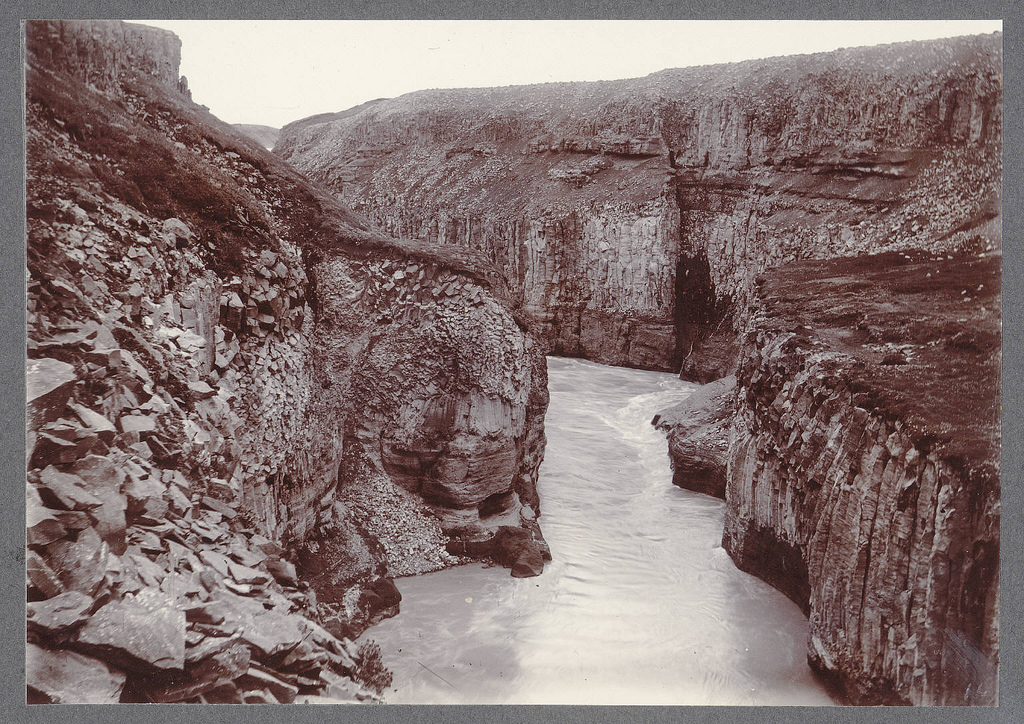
(632, 217)
(107, 56)
(863, 470)
(248, 408)
(703, 219)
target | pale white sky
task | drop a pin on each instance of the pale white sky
(276, 71)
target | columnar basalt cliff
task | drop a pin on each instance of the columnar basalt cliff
(673, 221)
(248, 409)
(631, 217)
(863, 469)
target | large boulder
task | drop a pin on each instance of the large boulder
(68, 677)
(48, 385)
(136, 634)
(698, 437)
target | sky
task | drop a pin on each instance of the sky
(272, 72)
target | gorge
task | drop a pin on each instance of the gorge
(687, 219)
(256, 399)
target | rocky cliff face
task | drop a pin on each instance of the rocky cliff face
(863, 470)
(248, 409)
(860, 464)
(698, 436)
(107, 56)
(631, 217)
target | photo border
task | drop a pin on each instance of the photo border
(12, 356)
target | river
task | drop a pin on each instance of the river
(641, 604)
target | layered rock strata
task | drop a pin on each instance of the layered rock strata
(863, 470)
(632, 217)
(248, 409)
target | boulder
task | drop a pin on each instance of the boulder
(271, 633)
(216, 561)
(258, 678)
(200, 390)
(211, 612)
(207, 647)
(67, 490)
(135, 634)
(137, 423)
(48, 385)
(245, 575)
(41, 577)
(67, 677)
(49, 448)
(509, 544)
(142, 490)
(379, 598)
(79, 565)
(58, 614)
(215, 668)
(103, 479)
(175, 229)
(283, 571)
(530, 563)
(95, 421)
(44, 527)
(220, 506)
(698, 437)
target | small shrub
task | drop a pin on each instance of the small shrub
(370, 670)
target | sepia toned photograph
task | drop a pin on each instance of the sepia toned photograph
(575, 362)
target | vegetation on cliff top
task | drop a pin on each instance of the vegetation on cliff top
(924, 331)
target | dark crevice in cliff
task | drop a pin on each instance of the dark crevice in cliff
(700, 312)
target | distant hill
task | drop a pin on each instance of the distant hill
(265, 135)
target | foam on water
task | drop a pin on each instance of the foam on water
(641, 605)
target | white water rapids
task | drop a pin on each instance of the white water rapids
(641, 605)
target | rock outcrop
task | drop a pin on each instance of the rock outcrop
(248, 409)
(863, 470)
(632, 217)
(108, 57)
(698, 436)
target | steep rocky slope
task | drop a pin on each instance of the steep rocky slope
(631, 217)
(248, 409)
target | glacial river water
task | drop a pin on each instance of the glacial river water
(641, 604)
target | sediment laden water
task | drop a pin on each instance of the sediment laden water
(641, 604)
